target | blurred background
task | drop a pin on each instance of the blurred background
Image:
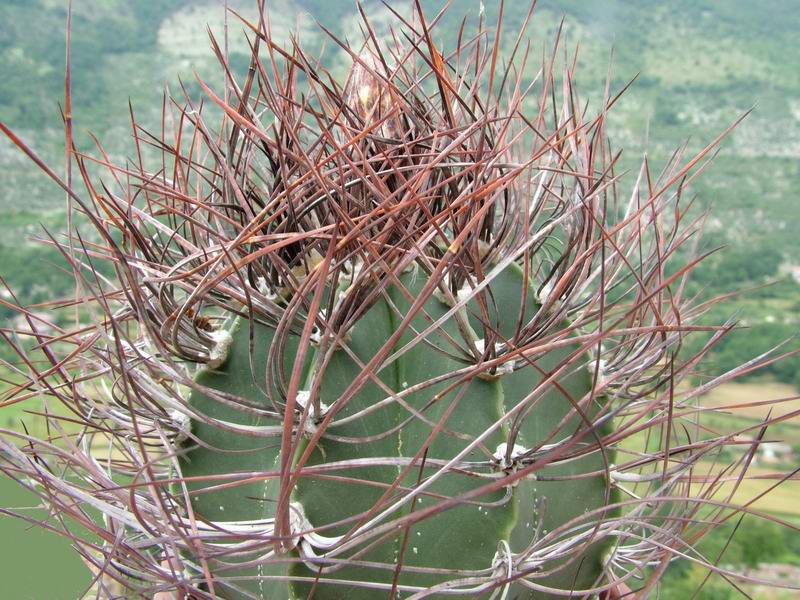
(700, 63)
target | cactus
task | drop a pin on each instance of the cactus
(416, 426)
(386, 337)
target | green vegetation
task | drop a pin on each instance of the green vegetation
(29, 551)
(105, 33)
(756, 542)
(701, 65)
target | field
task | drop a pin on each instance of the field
(36, 551)
(780, 500)
(741, 395)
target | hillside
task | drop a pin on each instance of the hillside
(701, 64)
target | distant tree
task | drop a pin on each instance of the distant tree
(683, 583)
(666, 115)
(761, 542)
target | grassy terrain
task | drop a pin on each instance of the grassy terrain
(780, 500)
(38, 565)
(783, 499)
(740, 394)
(761, 476)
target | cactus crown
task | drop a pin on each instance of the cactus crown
(383, 338)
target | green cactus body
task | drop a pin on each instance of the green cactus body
(468, 535)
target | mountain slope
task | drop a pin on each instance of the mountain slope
(701, 64)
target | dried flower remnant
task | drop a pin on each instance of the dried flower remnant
(371, 95)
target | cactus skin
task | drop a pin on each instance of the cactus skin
(465, 537)
(224, 452)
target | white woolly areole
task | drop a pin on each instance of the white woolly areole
(545, 293)
(222, 344)
(500, 370)
(312, 261)
(301, 528)
(601, 366)
(304, 397)
(464, 294)
(264, 288)
(412, 266)
(481, 346)
(182, 424)
(316, 335)
(355, 269)
(499, 455)
(483, 250)
(439, 294)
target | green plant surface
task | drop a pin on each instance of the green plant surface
(474, 528)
